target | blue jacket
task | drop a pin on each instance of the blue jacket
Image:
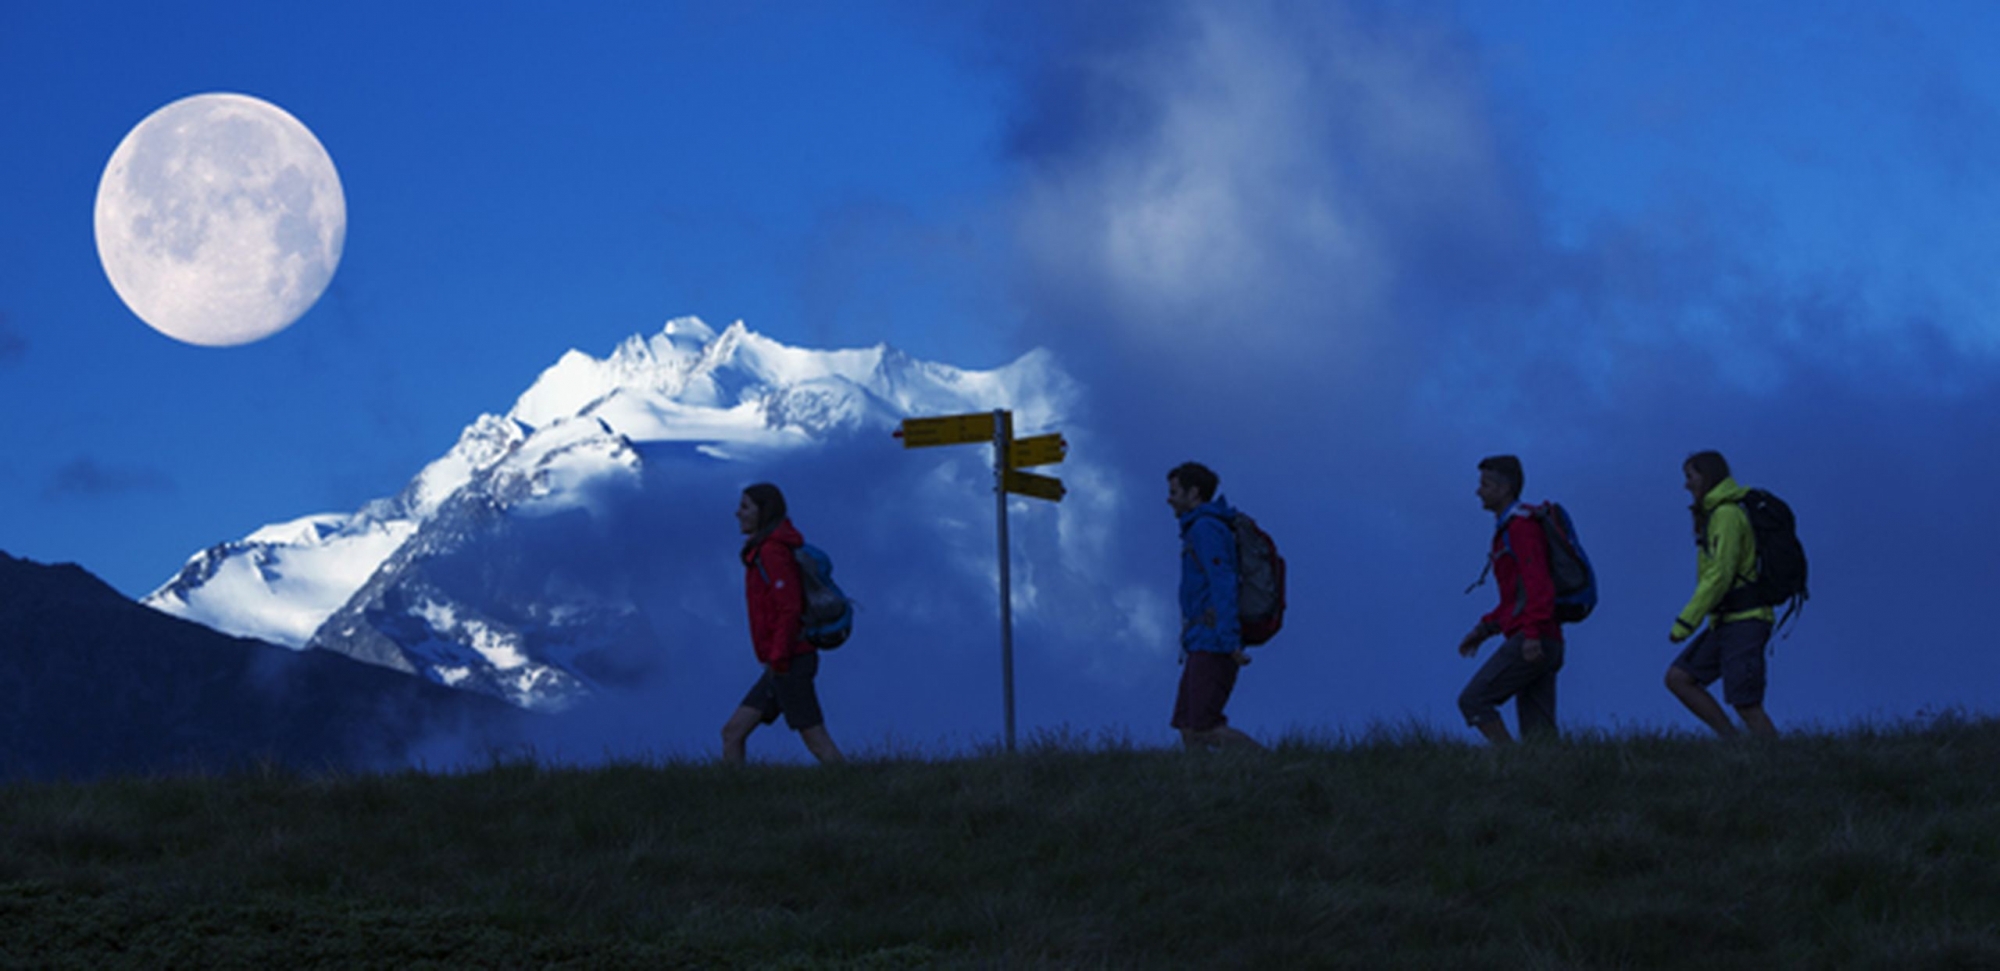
(1209, 621)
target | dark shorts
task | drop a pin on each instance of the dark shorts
(1207, 678)
(1733, 652)
(790, 694)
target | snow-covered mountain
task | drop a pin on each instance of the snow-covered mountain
(466, 577)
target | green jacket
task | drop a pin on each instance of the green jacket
(1729, 552)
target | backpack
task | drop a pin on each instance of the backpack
(1570, 572)
(828, 616)
(1780, 563)
(1260, 582)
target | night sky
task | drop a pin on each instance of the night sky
(1337, 251)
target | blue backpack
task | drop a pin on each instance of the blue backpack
(1569, 566)
(829, 615)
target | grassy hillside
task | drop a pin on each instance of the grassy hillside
(1871, 848)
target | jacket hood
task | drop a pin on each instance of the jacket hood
(1217, 507)
(1724, 492)
(784, 534)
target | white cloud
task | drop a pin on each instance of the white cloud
(1263, 177)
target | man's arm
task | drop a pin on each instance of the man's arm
(1728, 529)
(1215, 549)
(1531, 551)
(785, 605)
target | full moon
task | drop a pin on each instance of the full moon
(220, 219)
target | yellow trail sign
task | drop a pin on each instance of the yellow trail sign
(1035, 486)
(947, 430)
(1027, 453)
(1009, 457)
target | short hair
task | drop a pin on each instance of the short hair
(1196, 476)
(770, 503)
(1708, 464)
(1507, 467)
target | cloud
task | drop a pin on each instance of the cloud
(1237, 182)
(13, 346)
(1336, 200)
(87, 478)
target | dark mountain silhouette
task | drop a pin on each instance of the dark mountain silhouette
(92, 684)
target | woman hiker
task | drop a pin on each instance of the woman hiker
(777, 602)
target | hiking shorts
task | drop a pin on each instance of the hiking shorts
(1735, 653)
(1207, 678)
(790, 694)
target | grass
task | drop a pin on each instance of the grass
(1868, 847)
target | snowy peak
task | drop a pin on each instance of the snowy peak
(281, 581)
(671, 363)
(738, 387)
(459, 576)
(558, 465)
(483, 444)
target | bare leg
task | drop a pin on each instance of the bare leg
(736, 732)
(1757, 721)
(1496, 732)
(1698, 700)
(820, 744)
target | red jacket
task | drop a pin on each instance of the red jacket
(771, 586)
(1520, 559)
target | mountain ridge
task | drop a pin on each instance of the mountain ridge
(94, 683)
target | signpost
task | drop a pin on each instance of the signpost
(949, 430)
(1039, 450)
(1038, 486)
(1010, 455)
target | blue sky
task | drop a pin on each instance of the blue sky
(1338, 251)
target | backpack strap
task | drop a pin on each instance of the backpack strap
(1507, 546)
(1742, 579)
(1792, 607)
(1483, 574)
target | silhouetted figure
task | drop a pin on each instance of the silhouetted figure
(1211, 634)
(777, 604)
(1732, 648)
(1524, 667)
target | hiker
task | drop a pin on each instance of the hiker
(1211, 636)
(776, 600)
(1732, 648)
(1524, 668)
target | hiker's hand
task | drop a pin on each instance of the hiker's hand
(1242, 657)
(1470, 645)
(1681, 631)
(1531, 650)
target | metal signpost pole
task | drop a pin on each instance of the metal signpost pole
(1003, 433)
(1009, 457)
